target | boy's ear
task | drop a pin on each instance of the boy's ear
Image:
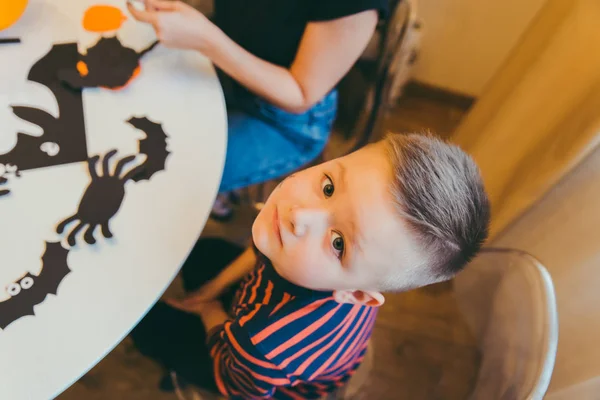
(372, 299)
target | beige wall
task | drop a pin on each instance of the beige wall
(465, 41)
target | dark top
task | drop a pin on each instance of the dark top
(272, 29)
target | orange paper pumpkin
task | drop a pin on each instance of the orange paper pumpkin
(11, 11)
(102, 18)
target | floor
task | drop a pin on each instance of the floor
(422, 348)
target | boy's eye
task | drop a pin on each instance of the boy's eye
(337, 242)
(327, 187)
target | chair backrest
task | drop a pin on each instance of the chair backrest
(508, 300)
(397, 50)
(375, 83)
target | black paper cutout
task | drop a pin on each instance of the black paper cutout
(3, 192)
(154, 146)
(10, 40)
(6, 170)
(101, 200)
(109, 64)
(34, 289)
(68, 130)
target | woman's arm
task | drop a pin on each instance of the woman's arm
(326, 53)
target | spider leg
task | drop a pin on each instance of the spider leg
(89, 234)
(121, 164)
(132, 173)
(74, 232)
(106, 162)
(92, 167)
(61, 227)
(106, 230)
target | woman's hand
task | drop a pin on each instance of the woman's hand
(177, 24)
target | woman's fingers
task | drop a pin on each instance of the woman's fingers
(142, 15)
(163, 5)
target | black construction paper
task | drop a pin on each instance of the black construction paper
(154, 146)
(3, 192)
(67, 131)
(101, 200)
(109, 64)
(32, 289)
(10, 40)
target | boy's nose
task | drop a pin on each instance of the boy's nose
(305, 220)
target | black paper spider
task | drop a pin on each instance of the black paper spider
(101, 200)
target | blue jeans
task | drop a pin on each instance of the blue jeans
(266, 142)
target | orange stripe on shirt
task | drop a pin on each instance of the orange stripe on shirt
(217, 373)
(291, 358)
(360, 340)
(249, 316)
(286, 297)
(247, 284)
(256, 284)
(268, 292)
(242, 352)
(239, 378)
(260, 377)
(303, 334)
(341, 347)
(274, 327)
(350, 352)
(323, 349)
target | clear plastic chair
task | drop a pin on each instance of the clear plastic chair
(507, 299)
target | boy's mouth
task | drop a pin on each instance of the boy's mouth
(276, 227)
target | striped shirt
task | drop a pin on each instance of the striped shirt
(286, 341)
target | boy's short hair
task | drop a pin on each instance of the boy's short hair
(439, 193)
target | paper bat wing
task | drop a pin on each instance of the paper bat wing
(3, 192)
(154, 146)
(54, 270)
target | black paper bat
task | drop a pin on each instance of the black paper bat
(67, 131)
(107, 64)
(154, 146)
(31, 290)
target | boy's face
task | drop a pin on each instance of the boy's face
(334, 227)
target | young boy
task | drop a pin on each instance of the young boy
(406, 212)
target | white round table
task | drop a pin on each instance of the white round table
(101, 290)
